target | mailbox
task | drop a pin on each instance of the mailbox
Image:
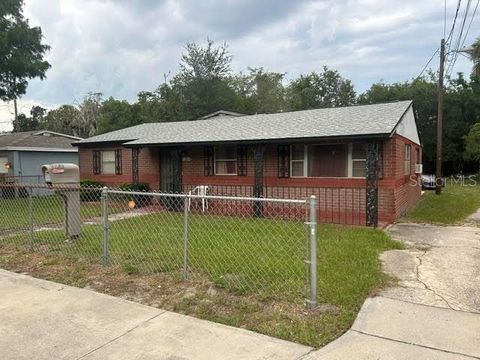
(64, 179)
(61, 174)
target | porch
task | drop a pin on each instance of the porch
(271, 171)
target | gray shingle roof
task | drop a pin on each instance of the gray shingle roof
(377, 119)
(37, 139)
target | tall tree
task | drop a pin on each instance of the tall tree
(29, 123)
(116, 114)
(24, 123)
(261, 91)
(202, 82)
(474, 54)
(89, 112)
(61, 120)
(21, 52)
(472, 143)
(320, 90)
(462, 110)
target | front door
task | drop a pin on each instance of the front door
(171, 175)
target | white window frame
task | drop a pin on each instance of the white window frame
(351, 160)
(215, 161)
(102, 162)
(305, 161)
(407, 160)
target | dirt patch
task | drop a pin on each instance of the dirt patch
(199, 298)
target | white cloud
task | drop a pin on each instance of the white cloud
(121, 47)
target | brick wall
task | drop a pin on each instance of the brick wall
(149, 168)
(341, 200)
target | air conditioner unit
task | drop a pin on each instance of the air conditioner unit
(418, 168)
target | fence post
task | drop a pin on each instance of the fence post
(185, 237)
(312, 261)
(105, 226)
(30, 218)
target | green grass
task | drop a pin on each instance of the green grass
(453, 206)
(246, 257)
(14, 213)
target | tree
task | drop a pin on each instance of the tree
(24, 123)
(472, 143)
(260, 91)
(313, 91)
(61, 120)
(474, 54)
(21, 52)
(461, 111)
(207, 63)
(89, 111)
(116, 114)
(202, 85)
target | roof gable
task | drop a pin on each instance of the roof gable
(407, 126)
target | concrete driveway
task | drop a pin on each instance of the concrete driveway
(434, 310)
(440, 267)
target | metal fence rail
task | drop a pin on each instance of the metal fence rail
(221, 240)
(336, 205)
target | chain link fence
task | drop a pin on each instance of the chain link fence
(260, 246)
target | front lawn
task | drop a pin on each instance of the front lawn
(48, 209)
(243, 272)
(453, 206)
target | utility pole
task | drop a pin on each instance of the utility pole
(16, 110)
(438, 163)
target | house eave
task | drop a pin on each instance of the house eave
(362, 137)
(37, 149)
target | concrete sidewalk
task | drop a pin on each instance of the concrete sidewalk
(391, 329)
(43, 320)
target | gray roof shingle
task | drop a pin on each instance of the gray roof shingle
(37, 139)
(377, 119)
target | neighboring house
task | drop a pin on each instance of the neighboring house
(23, 153)
(359, 161)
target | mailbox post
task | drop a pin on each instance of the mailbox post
(65, 180)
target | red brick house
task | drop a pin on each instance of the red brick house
(360, 161)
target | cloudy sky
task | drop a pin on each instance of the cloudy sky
(120, 47)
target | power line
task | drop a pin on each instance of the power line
(428, 63)
(454, 20)
(452, 29)
(470, 24)
(460, 42)
(457, 41)
(444, 18)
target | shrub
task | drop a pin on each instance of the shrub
(91, 183)
(132, 187)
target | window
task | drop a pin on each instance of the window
(359, 161)
(108, 162)
(406, 160)
(225, 160)
(327, 160)
(298, 160)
